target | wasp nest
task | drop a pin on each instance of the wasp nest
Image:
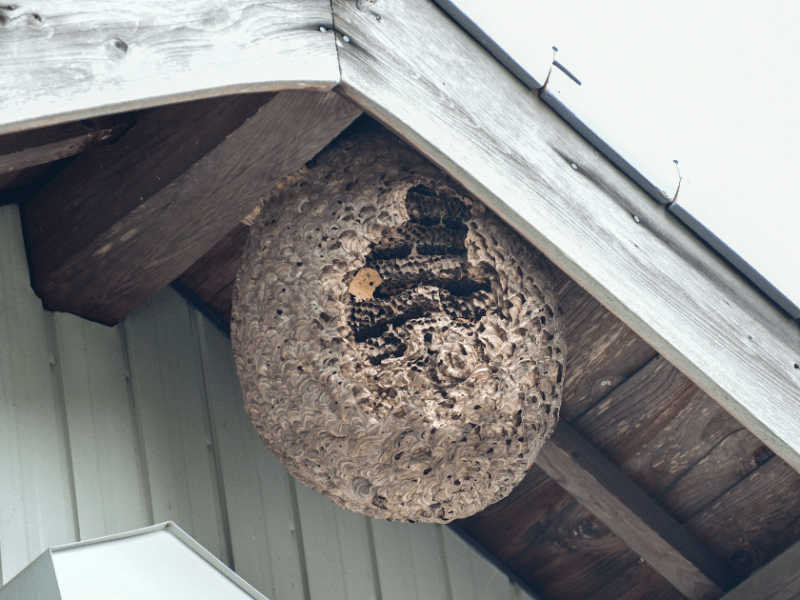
(398, 346)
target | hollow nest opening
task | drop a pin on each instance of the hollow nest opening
(399, 347)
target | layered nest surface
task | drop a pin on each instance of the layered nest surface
(399, 347)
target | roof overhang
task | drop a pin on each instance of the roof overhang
(419, 73)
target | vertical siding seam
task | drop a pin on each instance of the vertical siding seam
(136, 419)
(220, 500)
(298, 532)
(373, 559)
(57, 380)
(446, 568)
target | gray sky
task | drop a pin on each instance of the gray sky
(715, 85)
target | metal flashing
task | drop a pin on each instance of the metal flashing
(531, 81)
(736, 261)
(595, 140)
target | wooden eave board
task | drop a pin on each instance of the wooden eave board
(75, 59)
(492, 134)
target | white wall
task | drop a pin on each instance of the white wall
(105, 430)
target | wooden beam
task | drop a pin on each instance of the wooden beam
(633, 516)
(463, 110)
(72, 59)
(27, 149)
(777, 580)
(121, 222)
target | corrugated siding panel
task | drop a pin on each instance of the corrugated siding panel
(257, 490)
(472, 577)
(411, 561)
(170, 396)
(337, 549)
(36, 503)
(104, 429)
(109, 487)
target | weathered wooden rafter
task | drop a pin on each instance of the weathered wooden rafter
(118, 224)
(633, 516)
(27, 149)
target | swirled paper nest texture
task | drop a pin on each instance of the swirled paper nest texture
(398, 346)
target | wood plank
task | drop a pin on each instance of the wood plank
(264, 536)
(543, 178)
(636, 582)
(259, 509)
(167, 382)
(509, 526)
(77, 60)
(735, 457)
(27, 149)
(602, 351)
(778, 580)
(646, 528)
(116, 226)
(214, 273)
(637, 410)
(109, 487)
(577, 543)
(681, 445)
(754, 521)
(36, 501)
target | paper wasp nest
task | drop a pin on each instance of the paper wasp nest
(398, 346)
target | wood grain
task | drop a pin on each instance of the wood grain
(755, 520)
(778, 580)
(76, 59)
(578, 544)
(676, 449)
(514, 153)
(637, 410)
(116, 226)
(507, 527)
(27, 149)
(603, 351)
(212, 276)
(735, 457)
(636, 582)
(633, 516)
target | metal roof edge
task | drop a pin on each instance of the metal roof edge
(736, 261)
(595, 140)
(489, 44)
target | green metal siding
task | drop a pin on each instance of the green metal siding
(104, 430)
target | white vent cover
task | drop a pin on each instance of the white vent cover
(161, 561)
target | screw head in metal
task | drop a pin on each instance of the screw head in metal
(636, 218)
(322, 29)
(346, 39)
(574, 166)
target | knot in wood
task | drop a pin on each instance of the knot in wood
(399, 346)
